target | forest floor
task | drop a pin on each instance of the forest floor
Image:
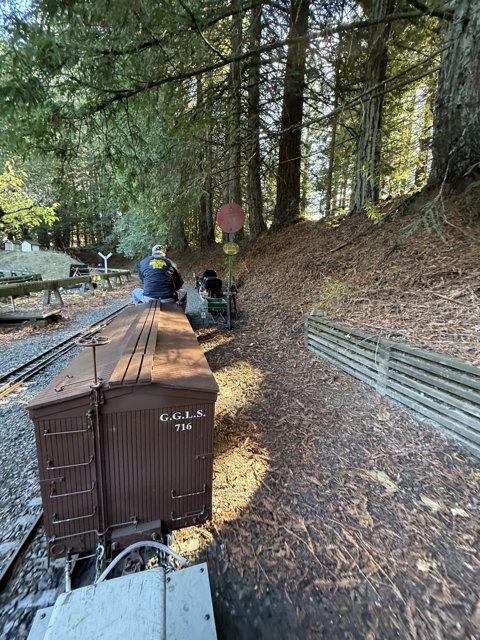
(335, 513)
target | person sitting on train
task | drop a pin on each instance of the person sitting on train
(161, 280)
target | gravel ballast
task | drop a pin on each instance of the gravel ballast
(35, 586)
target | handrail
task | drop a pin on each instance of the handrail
(24, 288)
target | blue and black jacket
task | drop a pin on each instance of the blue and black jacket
(160, 277)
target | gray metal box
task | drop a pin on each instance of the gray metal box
(150, 605)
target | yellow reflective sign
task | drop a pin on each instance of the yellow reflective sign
(231, 248)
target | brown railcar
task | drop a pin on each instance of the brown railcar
(125, 438)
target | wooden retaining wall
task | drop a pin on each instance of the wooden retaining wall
(446, 390)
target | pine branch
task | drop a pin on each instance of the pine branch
(192, 73)
(154, 42)
(32, 206)
(443, 14)
(198, 29)
(380, 88)
(383, 90)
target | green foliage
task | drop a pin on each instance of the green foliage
(373, 213)
(334, 292)
(19, 212)
(432, 219)
(337, 217)
(408, 110)
(87, 91)
(137, 233)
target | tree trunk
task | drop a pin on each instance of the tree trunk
(331, 151)
(235, 157)
(423, 134)
(367, 185)
(179, 236)
(329, 194)
(287, 207)
(206, 230)
(208, 235)
(456, 127)
(255, 197)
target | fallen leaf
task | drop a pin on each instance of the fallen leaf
(458, 511)
(426, 565)
(384, 480)
(431, 504)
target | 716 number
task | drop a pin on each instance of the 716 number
(182, 426)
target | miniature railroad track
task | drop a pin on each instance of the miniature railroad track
(15, 378)
(19, 550)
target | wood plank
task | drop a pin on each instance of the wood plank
(140, 366)
(368, 345)
(344, 363)
(123, 363)
(453, 414)
(179, 361)
(452, 428)
(341, 327)
(341, 341)
(439, 358)
(437, 386)
(337, 350)
(426, 354)
(342, 330)
(344, 367)
(138, 348)
(43, 285)
(452, 387)
(145, 375)
(471, 381)
(436, 394)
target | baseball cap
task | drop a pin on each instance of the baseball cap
(157, 250)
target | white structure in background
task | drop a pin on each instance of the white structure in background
(25, 245)
(105, 260)
(12, 245)
(29, 245)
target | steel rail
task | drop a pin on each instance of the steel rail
(7, 570)
(22, 373)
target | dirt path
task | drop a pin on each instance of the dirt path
(335, 514)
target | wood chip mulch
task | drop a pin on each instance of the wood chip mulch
(336, 513)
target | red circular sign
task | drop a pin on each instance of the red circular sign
(230, 217)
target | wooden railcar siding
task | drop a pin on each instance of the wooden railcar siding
(145, 466)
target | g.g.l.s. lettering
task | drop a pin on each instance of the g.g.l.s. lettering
(185, 416)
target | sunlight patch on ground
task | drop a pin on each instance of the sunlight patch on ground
(238, 475)
(240, 464)
(240, 384)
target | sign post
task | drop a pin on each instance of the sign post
(230, 219)
(105, 260)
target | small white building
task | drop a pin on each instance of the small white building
(29, 245)
(13, 245)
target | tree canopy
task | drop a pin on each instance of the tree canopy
(149, 116)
